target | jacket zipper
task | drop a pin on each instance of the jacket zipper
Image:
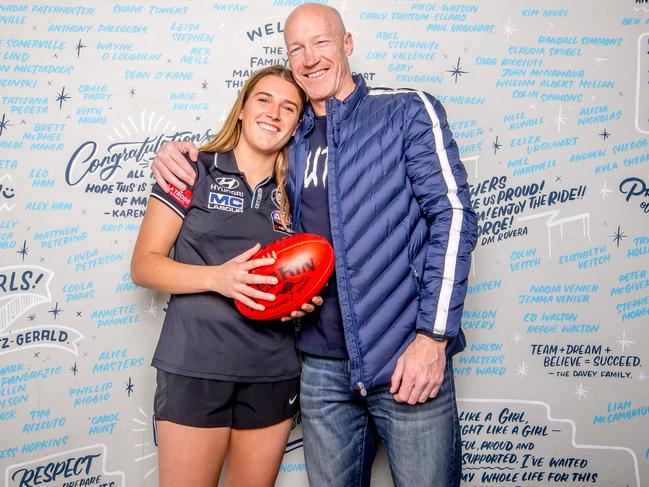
(355, 368)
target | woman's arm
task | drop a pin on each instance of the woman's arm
(152, 268)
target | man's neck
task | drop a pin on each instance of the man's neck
(319, 108)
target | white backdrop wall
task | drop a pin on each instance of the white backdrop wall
(549, 102)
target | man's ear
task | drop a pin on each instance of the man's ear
(348, 44)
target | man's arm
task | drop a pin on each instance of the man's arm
(440, 185)
(171, 166)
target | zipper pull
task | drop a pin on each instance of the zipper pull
(362, 389)
(414, 271)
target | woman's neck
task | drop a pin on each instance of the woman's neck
(256, 166)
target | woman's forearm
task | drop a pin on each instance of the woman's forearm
(163, 274)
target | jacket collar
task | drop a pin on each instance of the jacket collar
(342, 108)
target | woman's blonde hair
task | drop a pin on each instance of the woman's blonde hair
(228, 137)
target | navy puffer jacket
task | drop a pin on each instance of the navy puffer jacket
(401, 222)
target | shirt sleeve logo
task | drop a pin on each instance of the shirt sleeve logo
(182, 197)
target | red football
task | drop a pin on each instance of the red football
(303, 264)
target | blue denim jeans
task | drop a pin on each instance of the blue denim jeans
(422, 441)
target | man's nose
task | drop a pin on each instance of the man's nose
(311, 56)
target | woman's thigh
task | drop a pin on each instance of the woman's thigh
(254, 455)
(190, 456)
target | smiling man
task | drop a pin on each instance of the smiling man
(377, 172)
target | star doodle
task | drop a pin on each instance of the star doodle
(31, 317)
(618, 236)
(509, 29)
(623, 341)
(516, 337)
(74, 369)
(4, 123)
(457, 71)
(152, 310)
(78, 314)
(580, 392)
(198, 118)
(62, 97)
(204, 85)
(37, 354)
(560, 120)
(56, 310)
(79, 46)
(605, 135)
(522, 370)
(604, 191)
(496, 145)
(129, 387)
(24, 250)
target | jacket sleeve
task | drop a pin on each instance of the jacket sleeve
(439, 182)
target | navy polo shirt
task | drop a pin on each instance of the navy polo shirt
(203, 334)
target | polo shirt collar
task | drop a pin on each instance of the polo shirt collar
(226, 162)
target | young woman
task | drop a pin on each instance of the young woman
(226, 385)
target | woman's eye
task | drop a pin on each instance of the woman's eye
(289, 108)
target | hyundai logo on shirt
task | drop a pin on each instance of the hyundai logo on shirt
(229, 183)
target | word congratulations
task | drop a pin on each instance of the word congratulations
(85, 162)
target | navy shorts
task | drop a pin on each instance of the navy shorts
(206, 403)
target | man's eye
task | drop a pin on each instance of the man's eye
(295, 51)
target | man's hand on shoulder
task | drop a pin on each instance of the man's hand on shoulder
(170, 165)
(419, 373)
